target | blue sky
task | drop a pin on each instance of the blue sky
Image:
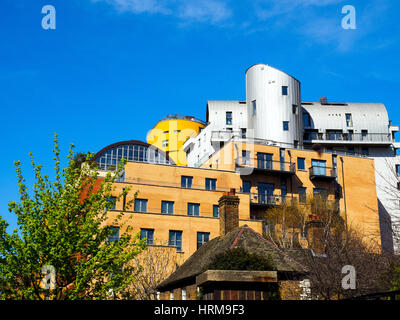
(112, 68)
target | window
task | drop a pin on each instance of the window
(165, 143)
(350, 150)
(112, 202)
(140, 205)
(246, 186)
(350, 135)
(294, 108)
(302, 194)
(319, 167)
(301, 164)
(245, 156)
(175, 239)
(167, 207)
(285, 125)
(121, 178)
(334, 134)
(349, 121)
(264, 160)
(283, 189)
(193, 209)
(186, 182)
(364, 134)
(211, 184)
(147, 234)
(202, 237)
(229, 118)
(398, 185)
(365, 151)
(284, 90)
(243, 133)
(306, 119)
(216, 211)
(114, 236)
(398, 170)
(323, 193)
(254, 107)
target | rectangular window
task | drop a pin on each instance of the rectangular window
(254, 107)
(167, 207)
(202, 237)
(114, 234)
(306, 119)
(365, 151)
(398, 170)
(193, 209)
(229, 118)
(112, 202)
(349, 121)
(264, 161)
(364, 134)
(350, 150)
(148, 234)
(285, 125)
(294, 108)
(140, 205)
(319, 167)
(216, 211)
(165, 143)
(350, 135)
(245, 156)
(301, 164)
(302, 195)
(246, 186)
(323, 193)
(186, 182)
(243, 133)
(175, 239)
(284, 90)
(211, 184)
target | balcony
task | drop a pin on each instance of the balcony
(336, 137)
(266, 200)
(322, 173)
(267, 166)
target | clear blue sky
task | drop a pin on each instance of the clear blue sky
(112, 68)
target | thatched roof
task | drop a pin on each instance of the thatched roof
(243, 237)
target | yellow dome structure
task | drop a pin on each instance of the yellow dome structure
(171, 132)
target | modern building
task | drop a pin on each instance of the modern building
(171, 132)
(178, 206)
(274, 115)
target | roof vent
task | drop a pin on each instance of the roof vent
(323, 100)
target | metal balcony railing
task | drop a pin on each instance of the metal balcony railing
(269, 200)
(348, 137)
(321, 172)
(271, 166)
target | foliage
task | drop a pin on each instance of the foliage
(240, 259)
(64, 224)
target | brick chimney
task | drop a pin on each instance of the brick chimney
(315, 234)
(228, 212)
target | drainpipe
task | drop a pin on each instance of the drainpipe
(344, 192)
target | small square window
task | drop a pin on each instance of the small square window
(211, 184)
(167, 207)
(140, 205)
(193, 209)
(284, 90)
(246, 186)
(147, 234)
(301, 163)
(202, 237)
(165, 143)
(114, 234)
(285, 125)
(216, 211)
(186, 182)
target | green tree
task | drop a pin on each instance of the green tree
(64, 224)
